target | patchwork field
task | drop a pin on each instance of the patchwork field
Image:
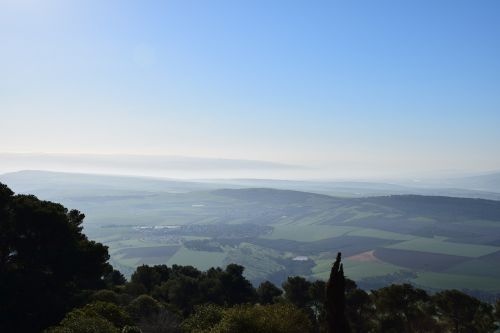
(200, 259)
(419, 260)
(354, 269)
(308, 232)
(436, 245)
(372, 257)
(430, 241)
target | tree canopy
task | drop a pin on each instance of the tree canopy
(45, 261)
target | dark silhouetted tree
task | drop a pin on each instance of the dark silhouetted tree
(464, 313)
(484, 318)
(297, 291)
(45, 262)
(359, 311)
(114, 278)
(267, 292)
(237, 289)
(181, 291)
(497, 310)
(405, 307)
(150, 276)
(335, 299)
(317, 305)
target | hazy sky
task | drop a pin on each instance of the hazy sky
(370, 87)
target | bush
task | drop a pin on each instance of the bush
(105, 295)
(109, 311)
(275, 318)
(78, 321)
(143, 306)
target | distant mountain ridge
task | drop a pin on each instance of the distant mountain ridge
(488, 182)
(50, 183)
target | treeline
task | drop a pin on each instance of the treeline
(53, 279)
(184, 299)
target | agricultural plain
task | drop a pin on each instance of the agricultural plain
(433, 242)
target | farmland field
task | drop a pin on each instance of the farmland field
(433, 242)
(419, 260)
(355, 270)
(455, 281)
(309, 232)
(441, 246)
(200, 259)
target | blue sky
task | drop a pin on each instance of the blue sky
(358, 88)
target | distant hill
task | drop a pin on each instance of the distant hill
(271, 196)
(488, 182)
(57, 185)
(433, 241)
(363, 188)
(60, 184)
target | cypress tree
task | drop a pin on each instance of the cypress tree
(335, 299)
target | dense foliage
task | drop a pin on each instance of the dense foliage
(45, 262)
(53, 278)
(184, 299)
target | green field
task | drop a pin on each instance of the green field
(258, 261)
(374, 233)
(477, 268)
(307, 233)
(200, 259)
(441, 246)
(354, 270)
(456, 281)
